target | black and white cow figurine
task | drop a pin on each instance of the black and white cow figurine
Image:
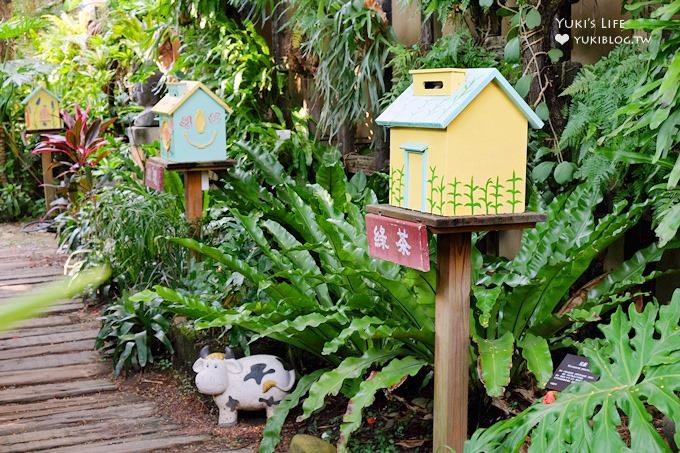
(251, 383)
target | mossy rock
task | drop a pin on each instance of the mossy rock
(303, 443)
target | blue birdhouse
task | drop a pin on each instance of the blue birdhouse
(191, 121)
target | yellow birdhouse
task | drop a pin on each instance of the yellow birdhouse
(458, 143)
(42, 111)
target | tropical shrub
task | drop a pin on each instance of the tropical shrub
(638, 361)
(652, 114)
(125, 226)
(348, 66)
(322, 295)
(596, 93)
(530, 302)
(16, 203)
(234, 60)
(80, 71)
(79, 149)
(457, 50)
(132, 333)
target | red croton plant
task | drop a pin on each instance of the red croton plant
(78, 149)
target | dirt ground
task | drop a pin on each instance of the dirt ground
(176, 398)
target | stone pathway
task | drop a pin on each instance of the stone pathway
(56, 393)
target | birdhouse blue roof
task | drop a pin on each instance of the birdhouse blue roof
(184, 90)
(438, 111)
(35, 91)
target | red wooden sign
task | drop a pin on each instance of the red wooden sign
(398, 241)
(154, 176)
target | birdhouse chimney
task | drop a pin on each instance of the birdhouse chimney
(437, 82)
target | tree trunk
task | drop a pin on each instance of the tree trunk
(3, 158)
(382, 141)
(346, 138)
(535, 45)
(426, 32)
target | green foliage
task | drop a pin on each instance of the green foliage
(456, 50)
(389, 376)
(321, 285)
(652, 116)
(125, 227)
(272, 431)
(528, 300)
(19, 26)
(16, 203)
(24, 307)
(597, 93)
(583, 154)
(638, 361)
(352, 43)
(81, 68)
(233, 60)
(133, 332)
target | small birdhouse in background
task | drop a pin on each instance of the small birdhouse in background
(42, 111)
(458, 143)
(192, 125)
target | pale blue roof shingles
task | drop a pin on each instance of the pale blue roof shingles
(437, 112)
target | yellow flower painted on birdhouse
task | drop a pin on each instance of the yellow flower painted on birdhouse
(42, 111)
(458, 143)
(193, 118)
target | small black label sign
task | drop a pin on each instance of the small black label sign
(573, 368)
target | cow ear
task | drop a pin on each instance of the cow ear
(233, 366)
(198, 365)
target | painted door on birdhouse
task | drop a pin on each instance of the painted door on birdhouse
(192, 123)
(42, 111)
(458, 143)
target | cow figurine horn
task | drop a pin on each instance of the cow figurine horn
(204, 352)
(228, 353)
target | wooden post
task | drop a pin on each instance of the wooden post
(193, 194)
(48, 179)
(452, 310)
(193, 190)
(452, 341)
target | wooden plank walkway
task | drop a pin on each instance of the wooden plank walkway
(56, 393)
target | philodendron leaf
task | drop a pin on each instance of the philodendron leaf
(512, 53)
(533, 18)
(638, 362)
(536, 352)
(495, 361)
